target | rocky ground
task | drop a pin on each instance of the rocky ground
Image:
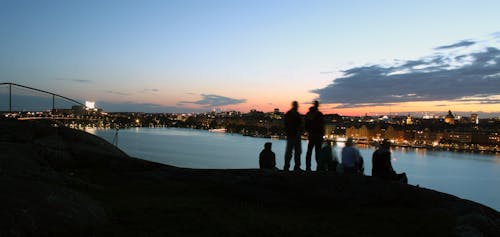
(56, 181)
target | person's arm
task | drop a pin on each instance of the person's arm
(273, 161)
(359, 157)
(389, 165)
(261, 160)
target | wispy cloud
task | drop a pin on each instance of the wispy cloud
(437, 77)
(149, 91)
(463, 43)
(75, 80)
(211, 100)
(348, 106)
(496, 35)
(82, 80)
(118, 93)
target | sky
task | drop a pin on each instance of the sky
(355, 57)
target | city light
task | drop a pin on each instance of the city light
(90, 104)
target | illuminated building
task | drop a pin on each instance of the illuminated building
(90, 104)
(409, 120)
(450, 118)
(474, 119)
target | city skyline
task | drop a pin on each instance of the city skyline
(355, 57)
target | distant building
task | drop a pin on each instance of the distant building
(494, 138)
(330, 130)
(409, 120)
(450, 118)
(474, 119)
(276, 114)
(90, 104)
(79, 110)
(460, 137)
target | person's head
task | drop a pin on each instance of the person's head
(295, 105)
(268, 145)
(349, 142)
(316, 103)
(386, 143)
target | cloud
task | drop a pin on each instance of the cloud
(437, 77)
(82, 80)
(149, 91)
(75, 80)
(349, 106)
(211, 100)
(463, 43)
(118, 93)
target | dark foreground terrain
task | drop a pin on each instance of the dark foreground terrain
(56, 181)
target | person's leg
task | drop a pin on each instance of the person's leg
(288, 154)
(317, 150)
(310, 145)
(298, 151)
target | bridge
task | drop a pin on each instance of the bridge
(54, 95)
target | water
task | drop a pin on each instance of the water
(471, 176)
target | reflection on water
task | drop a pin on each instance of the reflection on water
(467, 175)
(92, 131)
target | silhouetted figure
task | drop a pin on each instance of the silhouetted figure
(267, 158)
(352, 161)
(328, 160)
(293, 130)
(315, 127)
(381, 164)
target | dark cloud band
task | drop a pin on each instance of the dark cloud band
(436, 78)
(463, 43)
(211, 100)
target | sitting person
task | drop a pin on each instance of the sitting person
(328, 160)
(267, 158)
(381, 164)
(352, 161)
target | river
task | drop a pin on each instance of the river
(466, 175)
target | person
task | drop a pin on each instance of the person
(315, 127)
(293, 130)
(352, 161)
(328, 160)
(381, 164)
(267, 158)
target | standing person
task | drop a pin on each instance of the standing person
(315, 127)
(352, 161)
(267, 158)
(381, 164)
(293, 130)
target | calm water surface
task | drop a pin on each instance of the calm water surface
(470, 176)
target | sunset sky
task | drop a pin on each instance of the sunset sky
(355, 57)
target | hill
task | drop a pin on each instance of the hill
(57, 181)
